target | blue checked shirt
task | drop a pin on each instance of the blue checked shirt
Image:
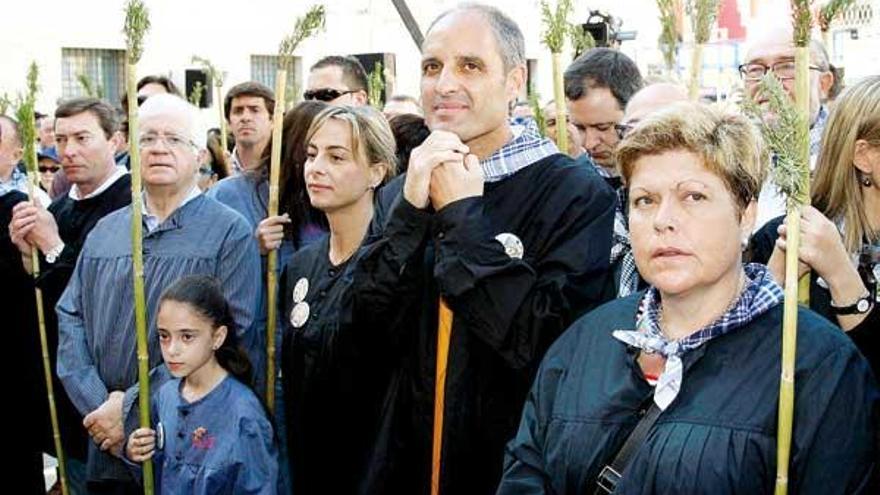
(816, 131)
(526, 147)
(17, 182)
(760, 294)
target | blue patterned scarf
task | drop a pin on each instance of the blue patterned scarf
(760, 294)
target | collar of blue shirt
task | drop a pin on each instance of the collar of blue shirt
(152, 221)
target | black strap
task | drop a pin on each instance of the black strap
(610, 475)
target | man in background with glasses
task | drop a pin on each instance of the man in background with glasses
(184, 233)
(337, 80)
(773, 50)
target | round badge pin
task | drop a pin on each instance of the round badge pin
(300, 290)
(513, 247)
(299, 314)
(160, 436)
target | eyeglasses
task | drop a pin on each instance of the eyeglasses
(43, 169)
(325, 94)
(784, 71)
(170, 141)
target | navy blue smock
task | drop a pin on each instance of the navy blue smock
(719, 435)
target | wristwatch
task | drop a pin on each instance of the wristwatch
(53, 254)
(860, 307)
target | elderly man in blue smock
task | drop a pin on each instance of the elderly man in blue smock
(185, 233)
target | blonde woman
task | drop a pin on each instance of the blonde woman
(334, 377)
(840, 233)
(698, 352)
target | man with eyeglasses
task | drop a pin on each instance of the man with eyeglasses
(773, 50)
(184, 233)
(86, 135)
(598, 85)
(337, 80)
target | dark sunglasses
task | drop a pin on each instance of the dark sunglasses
(325, 94)
(44, 169)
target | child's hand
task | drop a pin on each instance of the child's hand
(141, 445)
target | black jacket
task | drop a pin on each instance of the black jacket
(507, 311)
(340, 382)
(719, 434)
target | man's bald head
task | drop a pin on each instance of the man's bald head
(652, 98)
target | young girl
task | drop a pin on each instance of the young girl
(212, 435)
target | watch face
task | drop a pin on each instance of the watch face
(862, 306)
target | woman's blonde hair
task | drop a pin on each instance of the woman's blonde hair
(837, 190)
(729, 145)
(372, 142)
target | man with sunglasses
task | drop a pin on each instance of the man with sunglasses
(773, 50)
(598, 85)
(184, 233)
(337, 80)
(47, 164)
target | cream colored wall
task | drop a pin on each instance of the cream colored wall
(229, 32)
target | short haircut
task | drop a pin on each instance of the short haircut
(100, 109)
(250, 88)
(728, 144)
(353, 74)
(174, 106)
(16, 135)
(508, 36)
(603, 68)
(163, 81)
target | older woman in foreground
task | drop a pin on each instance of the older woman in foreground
(699, 350)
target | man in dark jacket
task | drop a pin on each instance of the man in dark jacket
(87, 134)
(496, 244)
